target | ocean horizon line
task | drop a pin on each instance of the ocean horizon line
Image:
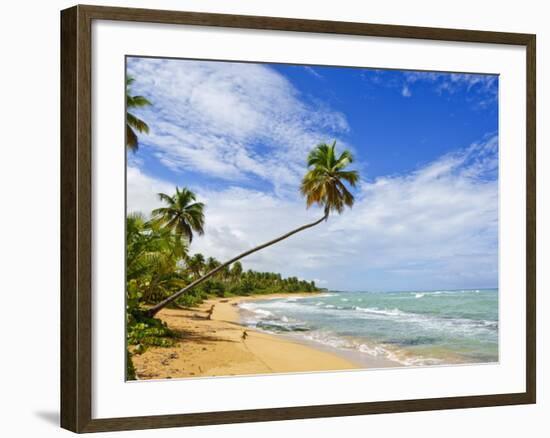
(327, 290)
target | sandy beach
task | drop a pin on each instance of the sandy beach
(215, 347)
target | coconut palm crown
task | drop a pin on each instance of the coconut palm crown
(183, 215)
(134, 123)
(323, 184)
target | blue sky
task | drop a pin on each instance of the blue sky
(425, 143)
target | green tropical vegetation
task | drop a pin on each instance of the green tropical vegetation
(161, 271)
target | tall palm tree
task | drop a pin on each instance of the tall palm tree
(211, 263)
(183, 215)
(196, 264)
(323, 184)
(236, 270)
(133, 123)
(224, 273)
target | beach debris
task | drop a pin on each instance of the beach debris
(210, 312)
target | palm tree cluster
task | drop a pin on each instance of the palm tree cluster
(152, 255)
(158, 264)
(231, 281)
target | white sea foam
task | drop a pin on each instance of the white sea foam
(376, 311)
(375, 350)
(430, 322)
(254, 309)
(247, 306)
(327, 338)
(375, 324)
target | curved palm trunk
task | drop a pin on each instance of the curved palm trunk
(153, 310)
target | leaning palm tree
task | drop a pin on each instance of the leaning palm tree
(183, 215)
(323, 184)
(133, 123)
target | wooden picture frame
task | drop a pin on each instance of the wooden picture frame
(76, 217)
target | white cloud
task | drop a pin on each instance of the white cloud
(142, 190)
(230, 120)
(481, 84)
(435, 227)
(482, 88)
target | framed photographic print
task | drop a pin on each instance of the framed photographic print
(270, 218)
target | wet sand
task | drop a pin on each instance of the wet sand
(221, 346)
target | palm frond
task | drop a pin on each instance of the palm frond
(170, 200)
(137, 101)
(136, 123)
(131, 139)
(350, 176)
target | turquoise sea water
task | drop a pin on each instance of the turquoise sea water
(410, 327)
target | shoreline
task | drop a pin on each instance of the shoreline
(215, 347)
(362, 360)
